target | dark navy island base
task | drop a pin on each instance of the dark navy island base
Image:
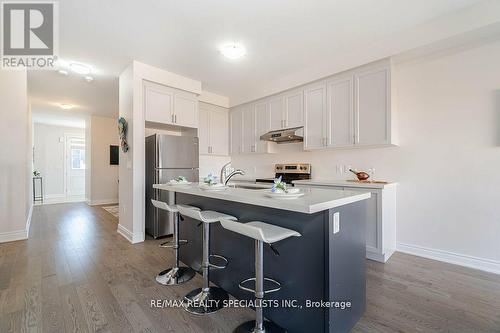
(318, 267)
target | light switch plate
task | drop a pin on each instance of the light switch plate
(336, 222)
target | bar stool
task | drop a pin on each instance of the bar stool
(262, 233)
(207, 299)
(174, 275)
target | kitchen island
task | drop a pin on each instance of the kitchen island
(322, 273)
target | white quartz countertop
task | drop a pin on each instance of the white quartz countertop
(343, 183)
(315, 199)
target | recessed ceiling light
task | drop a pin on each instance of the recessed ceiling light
(233, 50)
(80, 68)
(66, 106)
(89, 78)
(62, 72)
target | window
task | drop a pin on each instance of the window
(77, 159)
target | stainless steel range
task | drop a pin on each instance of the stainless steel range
(289, 173)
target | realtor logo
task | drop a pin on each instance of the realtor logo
(29, 34)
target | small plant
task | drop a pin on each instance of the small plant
(210, 179)
(279, 186)
(180, 179)
(36, 173)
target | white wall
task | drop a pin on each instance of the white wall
(447, 162)
(15, 156)
(103, 176)
(131, 187)
(49, 158)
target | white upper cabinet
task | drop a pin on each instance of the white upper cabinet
(185, 109)
(340, 131)
(213, 130)
(158, 103)
(170, 106)
(348, 110)
(315, 114)
(262, 124)
(204, 131)
(276, 112)
(249, 132)
(235, 128)
(219, 132)
(294, 108)
(372, 114)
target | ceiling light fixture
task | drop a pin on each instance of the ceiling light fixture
(89, 78)
(80, 68)
(233, 51)
(66, 106)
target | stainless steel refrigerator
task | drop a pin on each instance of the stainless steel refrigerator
(167, 156)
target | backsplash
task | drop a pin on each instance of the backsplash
(326, 164)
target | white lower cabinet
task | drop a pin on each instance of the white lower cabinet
(213, 130)
(380, 219)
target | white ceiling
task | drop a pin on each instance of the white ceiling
(282, 37)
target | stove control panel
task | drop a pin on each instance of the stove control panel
(293, 168)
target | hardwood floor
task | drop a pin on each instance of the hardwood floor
(77, 274)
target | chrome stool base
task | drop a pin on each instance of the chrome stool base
(175, 276)
(202, 302)
(249, 327)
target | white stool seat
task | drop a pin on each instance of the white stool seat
(206, 216)
(170, 208)
(261, 231)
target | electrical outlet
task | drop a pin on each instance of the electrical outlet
(336, 222)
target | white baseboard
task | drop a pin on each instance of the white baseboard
(17, 235)
(102, 202)
(131, 237)
(487, 265)
(12, 236)
(377, 256)
(57, 199)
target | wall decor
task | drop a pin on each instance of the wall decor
(122, 132)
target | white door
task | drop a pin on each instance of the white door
(219, 132)
(249, 142)
(158, 103)
(294, 108)
(263, 125)
(236, 131)
(276, 113)
(372, 109)
(315, 116)
(340, 112)
(75, 166)
(204, 131)
(185, 109)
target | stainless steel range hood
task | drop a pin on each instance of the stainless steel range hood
(286, 135)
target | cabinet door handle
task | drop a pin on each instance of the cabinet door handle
(175, 118)
(172, 116)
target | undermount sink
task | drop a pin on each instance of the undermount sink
(249, 186)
